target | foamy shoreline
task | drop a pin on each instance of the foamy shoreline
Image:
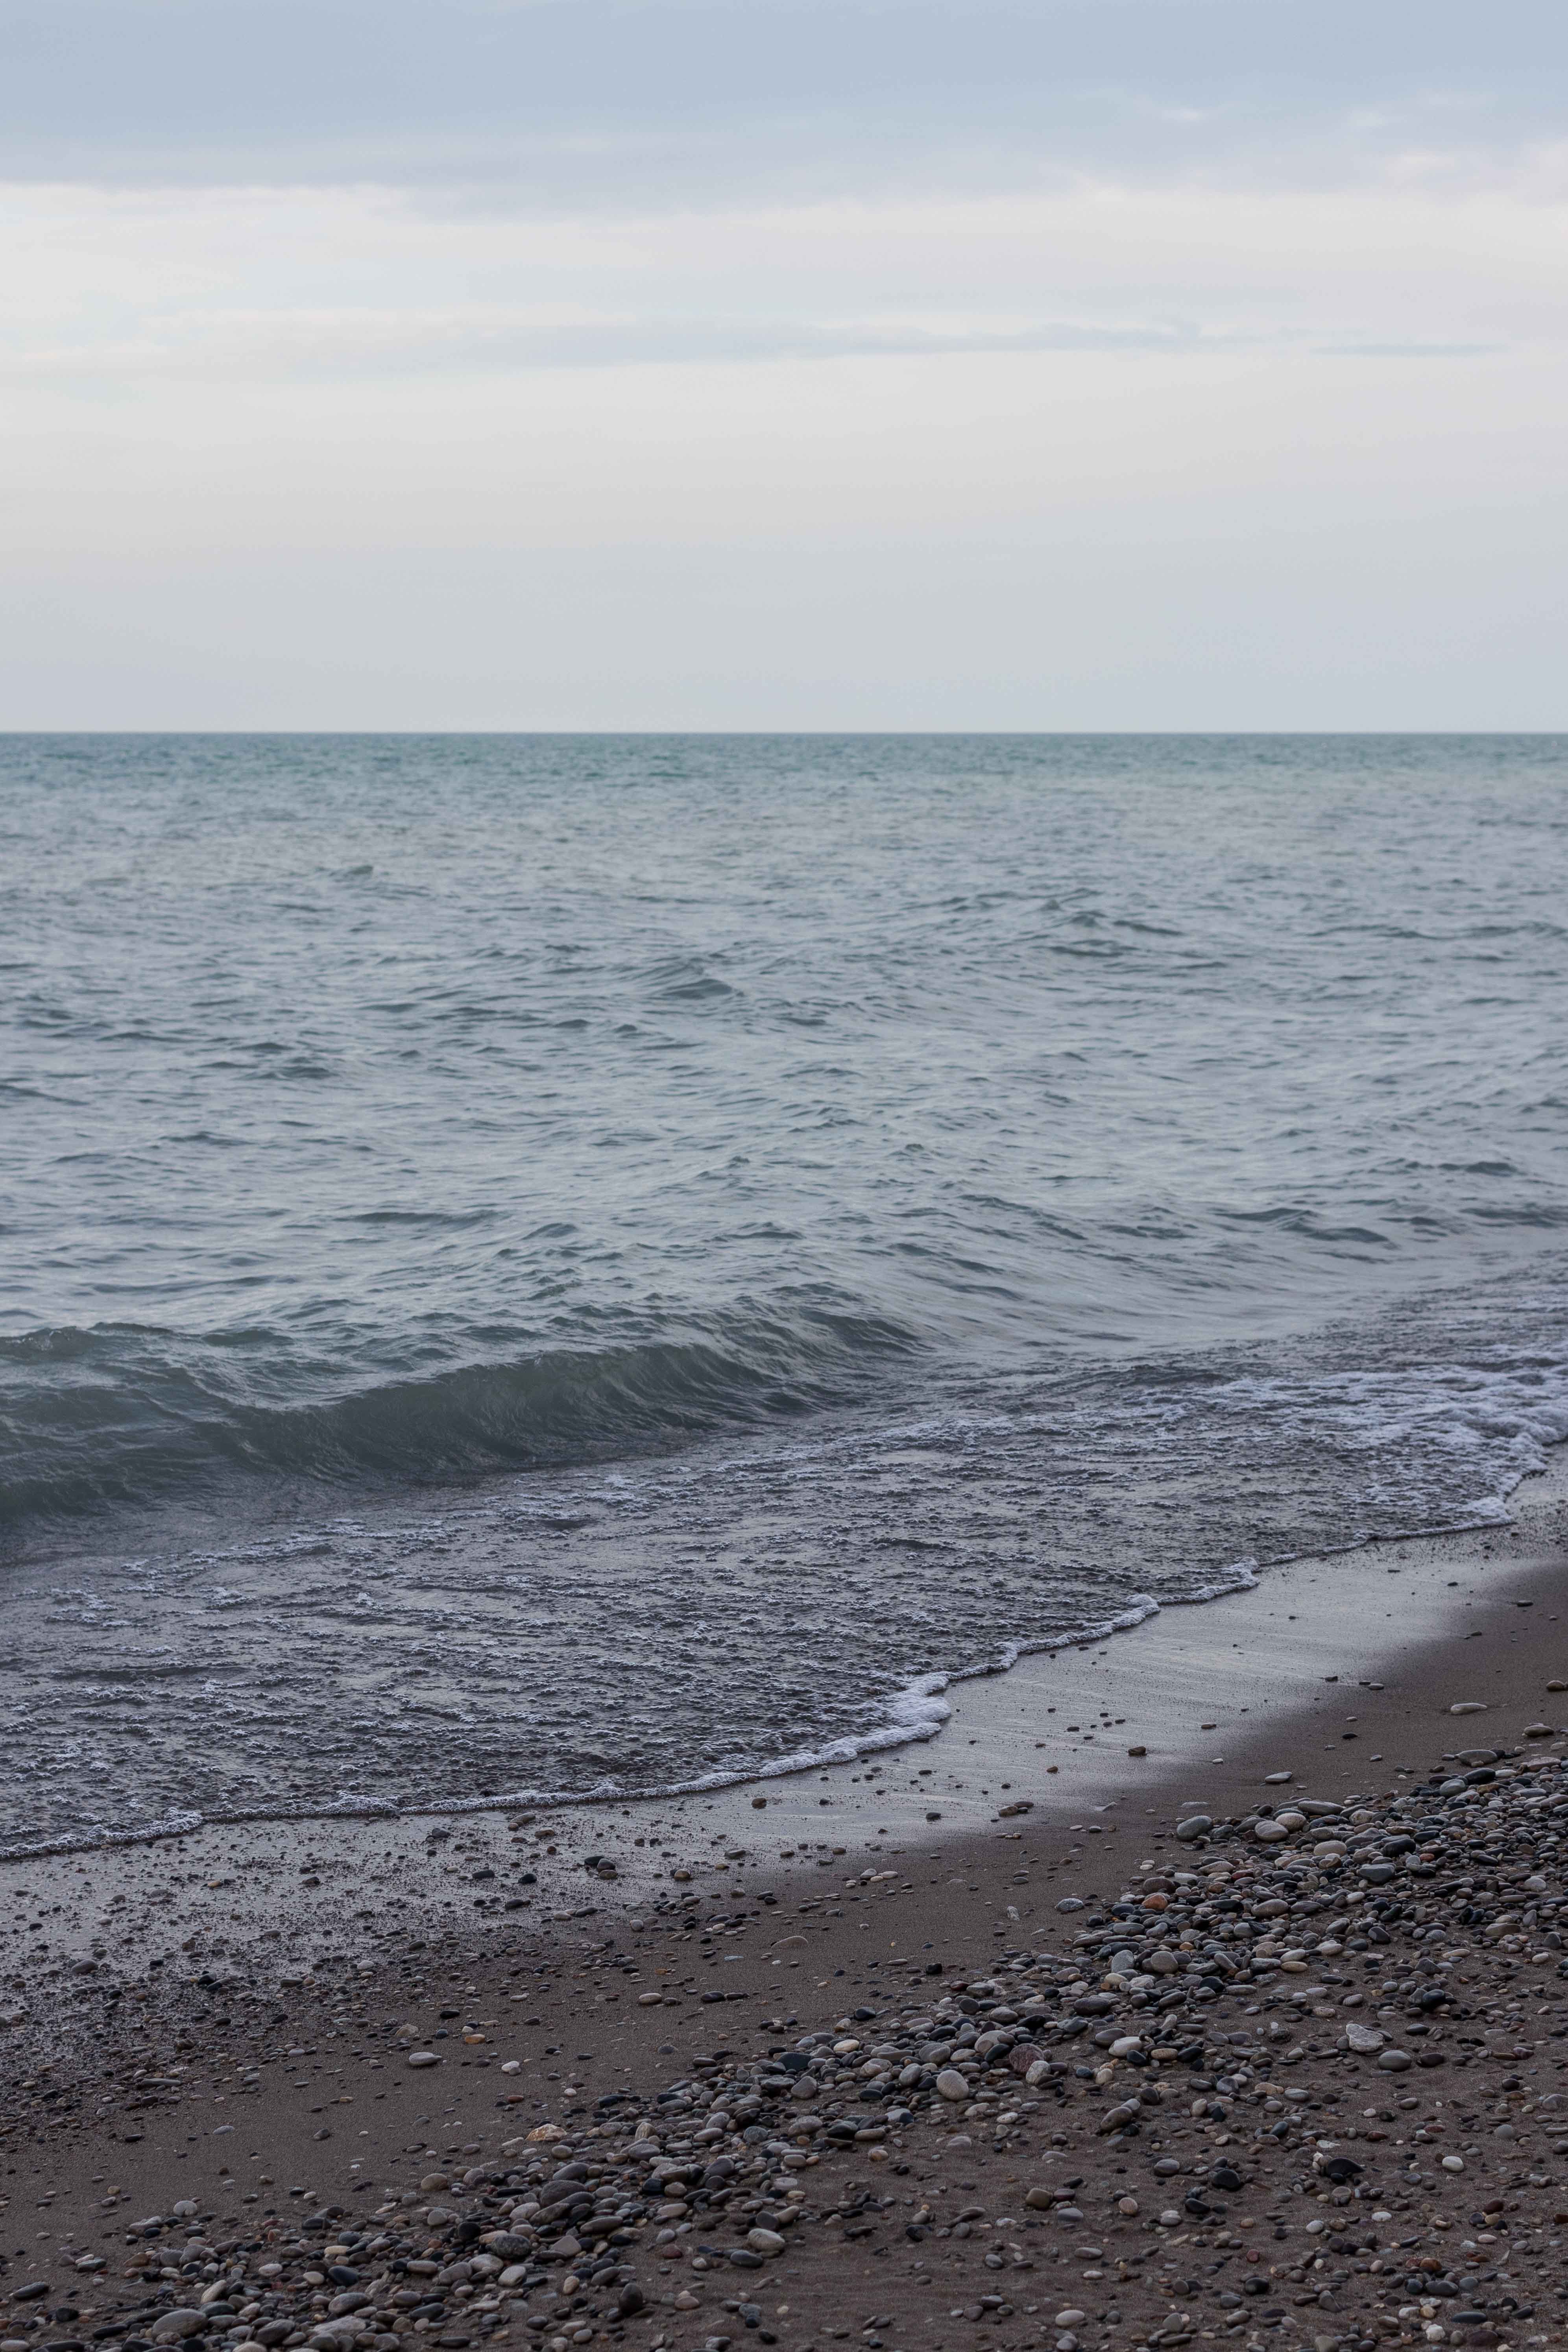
(1204, 1693)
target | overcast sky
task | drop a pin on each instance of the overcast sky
(764, 363)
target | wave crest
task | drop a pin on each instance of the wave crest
(128, 1413)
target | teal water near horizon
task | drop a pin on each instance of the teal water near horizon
(546, 1263)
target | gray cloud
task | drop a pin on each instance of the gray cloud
(585, 104)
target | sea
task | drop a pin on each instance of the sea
(542, 1266)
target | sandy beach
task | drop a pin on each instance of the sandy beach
(228, 2021)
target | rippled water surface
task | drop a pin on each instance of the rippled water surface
(545, 1263)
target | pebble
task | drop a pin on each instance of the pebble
(423, 2058)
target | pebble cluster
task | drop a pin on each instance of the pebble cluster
(1297, 2084)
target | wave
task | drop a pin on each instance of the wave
(125, 1413)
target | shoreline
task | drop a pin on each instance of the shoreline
(1197, 1688)
(948, 1695)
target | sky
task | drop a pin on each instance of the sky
(763, 364)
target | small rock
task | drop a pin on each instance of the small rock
(951, 2085)
(176, 2325)
(1269, 1831)
(765, 2241)
(1193, 1827)
(630, 2300)
(649, 1999)
(1275, 1779)
(1138, 1751)
(1071, 2317)
(1070, 1903)
(423, 2058)
(1366, 2039)
(1039, 2200)
(1453, 2164)
(1394, 2061)
(1469, 1707)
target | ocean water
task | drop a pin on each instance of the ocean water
(551, 1265)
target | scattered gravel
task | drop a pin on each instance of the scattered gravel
(1299, 2089)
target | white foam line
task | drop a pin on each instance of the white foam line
(919, 1711)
